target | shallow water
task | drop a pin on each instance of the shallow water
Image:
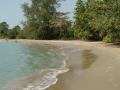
(23, 63)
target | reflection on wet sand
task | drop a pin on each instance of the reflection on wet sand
(78, 61)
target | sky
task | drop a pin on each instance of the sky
(11, 12)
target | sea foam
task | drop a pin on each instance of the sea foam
(50, 78)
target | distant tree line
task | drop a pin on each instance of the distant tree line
(43, 21)
(95, 20)
(5, 32)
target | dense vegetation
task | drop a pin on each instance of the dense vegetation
(96, 20)
(44, 21)
(5, 32)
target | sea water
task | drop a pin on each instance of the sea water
(30, 66)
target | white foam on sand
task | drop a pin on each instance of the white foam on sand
(50, 78)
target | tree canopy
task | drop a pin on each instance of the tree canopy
(98, 20)
(43, 19)
(3, 29)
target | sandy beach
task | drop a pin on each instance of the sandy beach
(99, 70)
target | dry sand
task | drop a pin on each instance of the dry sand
(103, 74)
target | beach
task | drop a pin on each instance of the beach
(102, 74)
(92, 65)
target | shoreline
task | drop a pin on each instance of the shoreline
(103, 74)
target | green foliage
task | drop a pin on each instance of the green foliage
(98, 20)
(81, 22)
(44, 21)
(3, 29)
(13, 33)
(94, 20)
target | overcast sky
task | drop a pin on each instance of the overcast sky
(11, 12)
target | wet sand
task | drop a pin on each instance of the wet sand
(76, 64)
(93, 65)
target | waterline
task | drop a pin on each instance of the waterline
(35, 67)
(50, 78)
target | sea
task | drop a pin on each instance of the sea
(30, 66)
